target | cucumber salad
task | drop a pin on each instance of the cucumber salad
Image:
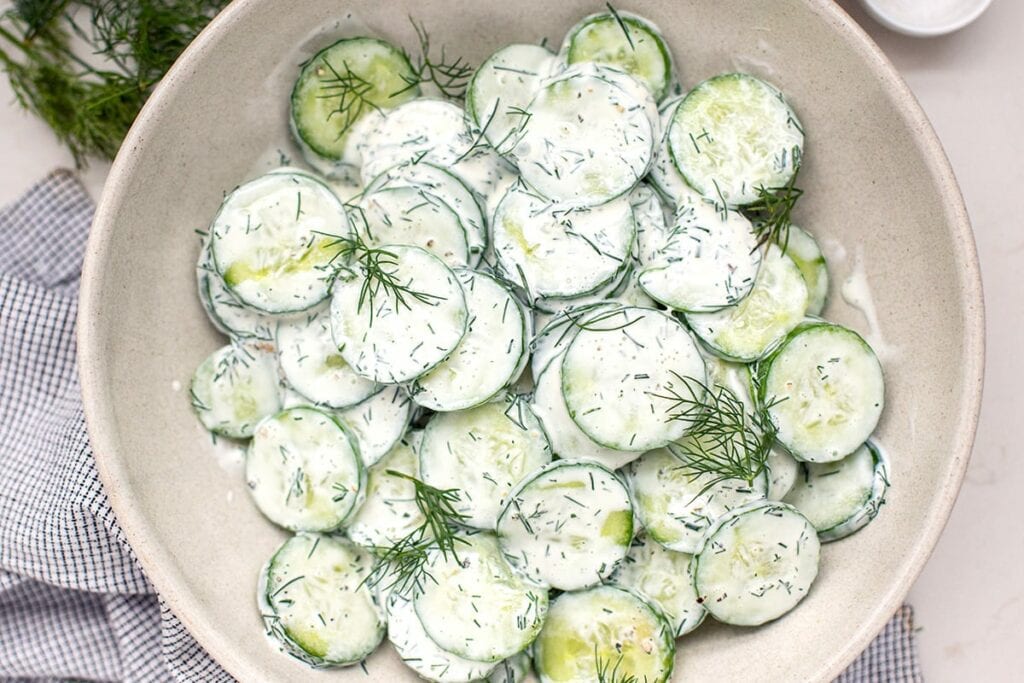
(529, 360)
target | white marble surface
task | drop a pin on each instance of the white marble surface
(970, 598)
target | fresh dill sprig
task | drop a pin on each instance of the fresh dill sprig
(772, 212)
(90, 99)
(350, 90)
(451, 77)
(608, 672)
(724, 440)
(403, 566)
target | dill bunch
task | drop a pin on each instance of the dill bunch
(90, 98)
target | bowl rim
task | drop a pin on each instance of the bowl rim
(155, 559)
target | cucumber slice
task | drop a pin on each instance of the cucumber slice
(663, 577)
(603, 634)
(489, 358)
(389, 512)
(664, 175)
(433, 131)
(783, 470)
(756, 325)
(625, 41)
(839, 498)
(568, 524)
(416, 217)
(535, 241)
(676, 505)
(614, 379)
(515, 669)
(555, 336)
(314, 602)
(709, 262)
(303, 470)
(398, 335)
(268, 241)
(587, 140)
(807, 256)
(313, 367)
(556, 305)
(236, 387)
(340, 85)
(229, 315)
(756, 563)
(378, 423)
(483, 452)
(567, 440)
(477, 606)
(502, 88)
(825, 391)
(734, 135)
(423, 655)
(652, 233)
(447, 187)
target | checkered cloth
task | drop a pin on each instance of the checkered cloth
(74, 602)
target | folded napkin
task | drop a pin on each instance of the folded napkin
(74, 601)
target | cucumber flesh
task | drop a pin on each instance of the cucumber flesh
(378, 422)
(663, 577)
(625, 41)
(236, 387)
(839, 498)
(483, 452)
(664, 175)
(807, 256)
(676, 506)
(303, 471)
(567, 525)
(416, 217)
(314, 602)
(756, 563)
(591, 634)
(825, 391)
(515, 669)
(229, 315)
(783, 470)
(478, 581)
(389, 512)
(734, 135)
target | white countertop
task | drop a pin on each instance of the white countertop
(970, 598)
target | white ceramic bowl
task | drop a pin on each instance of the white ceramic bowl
(877, 187)
(927, 18)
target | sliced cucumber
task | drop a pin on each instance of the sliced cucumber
(587, 140)
(568, 524)
(664, 175)
(535, 241)
(313, 366)
(389, 512)
(489, 358)
(483, 452)
(269, 244)
(677, 505)
(614, 379)
(515, 669)
(756, 563)
(556, 305)
(236, 387)
(447, 187)
(319, 608)
(340, 85)
(477, 606)
(839, 498)
(825, 391)
(416, 217)
(652, 233)
(423, 655)
(783, 470)
(398, 334)
(229, 315)
(734, 135)
(625, 41)
(807, 256)
(502, 88)
(567, 440)
(303, 470)
(663, 577)
(709, 262)
(606, 633)
(433, 131)
(379, 422)
(756, 325)
(555, 335)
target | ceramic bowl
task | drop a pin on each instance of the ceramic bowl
(879, 193)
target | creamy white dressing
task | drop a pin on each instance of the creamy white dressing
(856, 291)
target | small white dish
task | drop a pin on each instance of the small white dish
(925, 18)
